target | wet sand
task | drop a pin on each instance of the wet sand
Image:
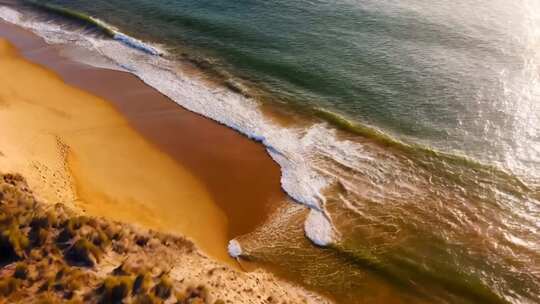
(205, 181)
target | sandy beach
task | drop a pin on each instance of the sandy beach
(148, 169)
(100, 144)
(270, 151)
(51, 253)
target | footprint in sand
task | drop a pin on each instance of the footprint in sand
(54, 182)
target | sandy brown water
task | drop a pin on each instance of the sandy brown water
(237, 173)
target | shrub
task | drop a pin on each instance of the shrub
(115, 289)
(38, 236)
(113, 232)
(9, 286)
(141, 240)
(83, 253)
(141, 284)
(100, 238)
(12, 244)
(65, 236)
(47, 299)
(40, 222)
(21, 271)
(164, 288)
(5, 219)
(192, 295)
(74, 280)
(146, 299)
(46, 286)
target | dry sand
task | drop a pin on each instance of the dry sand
(127, 153)
(50, 254)
(238, 173)
(75, 148)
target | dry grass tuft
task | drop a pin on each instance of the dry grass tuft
(48, 254)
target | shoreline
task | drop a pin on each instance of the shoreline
(53, 254)
(370, 195)
(234, 178)
(193, 161)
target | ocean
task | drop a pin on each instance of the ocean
(408, 132)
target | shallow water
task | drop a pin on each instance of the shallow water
(423, 143)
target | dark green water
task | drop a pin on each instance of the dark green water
(426, 151)
(454, 75)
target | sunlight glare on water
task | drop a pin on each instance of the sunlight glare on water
(420, 134)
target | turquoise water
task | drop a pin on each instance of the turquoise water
(432, 175)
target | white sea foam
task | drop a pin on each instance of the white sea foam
(135, 43)
(291, 148)
(318, 228)
(128, 40)
(234, 248)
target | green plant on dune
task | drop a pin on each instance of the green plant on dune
(8, 286)
(46, 285)
(39, 230)
(100, 238)
(47, 299)
(192, 295)
(65, 236)
(83, 253)
(113, 232)
(47, 253)
(39, 237)
(115, 289)
(13, 243)
(141, 284)
(146, 299)
(41, 222)
(76, 223)
(163, 288)
(141, 240)
(21, 271)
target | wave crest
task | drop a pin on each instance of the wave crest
(102, 26)
(389, 195)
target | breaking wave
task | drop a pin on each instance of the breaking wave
(100, 25)
(231, 109)
(371, 196)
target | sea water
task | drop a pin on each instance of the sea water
(412, 158)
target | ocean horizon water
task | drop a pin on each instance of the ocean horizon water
(413, 134)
